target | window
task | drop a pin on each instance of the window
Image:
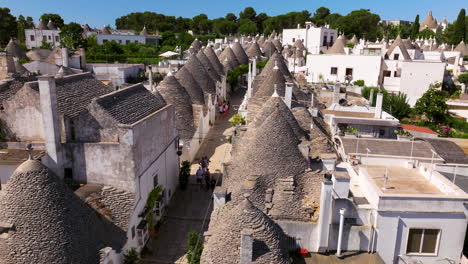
(57, 39)
(334, 70)
(349, 71)
(104, 40)
(127, 41)
(120, 41)
(387, 73)
(32, 37)
(324, 41)
(422, 241)
(50, 37)
(381, 132)
(44, 38)
(72, 131)
(136, 41)
(331, 40)
(294, 40)
(396, 56)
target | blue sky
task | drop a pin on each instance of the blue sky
(100, 12)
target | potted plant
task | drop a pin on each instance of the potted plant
(402, 134)
(350, 131)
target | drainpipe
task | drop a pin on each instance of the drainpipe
(340, 232)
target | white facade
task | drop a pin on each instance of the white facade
(334, 68)
(124, 38)
(35, 37)
(314, 39)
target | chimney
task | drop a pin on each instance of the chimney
(50, 116)
(298, 26)
(312, 103)
(249, 82)
(378, 106)
(288, 94)
(65, 57)
(336, 93)
(371, 97)
(246, 247)
(254, 68)
(325, 213)
(83, 59)
(150, 77)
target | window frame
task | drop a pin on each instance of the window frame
(331, 71)
(396, 56)
(436, 250)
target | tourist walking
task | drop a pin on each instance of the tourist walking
(199, 176)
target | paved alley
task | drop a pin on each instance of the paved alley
(189, 208)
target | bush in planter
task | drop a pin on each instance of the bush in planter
(195, 247)
(237, 119)
(131, 257)
(153, 197)
(351, 130)
(359, 83)
(184, 174)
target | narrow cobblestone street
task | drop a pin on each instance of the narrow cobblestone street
(189, 208)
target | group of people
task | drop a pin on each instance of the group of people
(203, 173)
(223, 106)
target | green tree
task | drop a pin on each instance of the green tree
(8, 26)
(319, 16)
(195, 247)
(361, 23)
(415, 28)
(426, 34)
(200, 24)
(247, 27)
(132, 257)
(463, 78)
(332, 20)
(55, 18)
(248, 13)
(224, 26)
(396, 105)
(460, 27)
(433, 105)
(231, 17)
(22, 24)
(71, 35)
(260, 19)
(45, 45)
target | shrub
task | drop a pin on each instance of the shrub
(433, 105)
(237, 119)
(365, 92)
(359, 83)
(153, 197)
(351, 130)
(132, 257)
(396, 105)
(401, 132)
(195, 247)
(184, 174)
(463, 78)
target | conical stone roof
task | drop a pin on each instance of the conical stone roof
(461, 47)
(196, 44)
(211, 55)
(298, 44)
(195, 67)
(240, 54)
(278, 45)
(15, 50)
(106, 30)
(261, 40)
(338, 46)
(275, 102)
(144, 32)
(229, 55)
(399, 43)
(176, 95)
(51, 25)
(275, 80)
(51, 224)
(269, 49)
(208, 66)
(354, 40)
(254, 50)
(187, 81)
(227, 226)
(41, 25)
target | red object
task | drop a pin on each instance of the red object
(303, 252)
(418, 129)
